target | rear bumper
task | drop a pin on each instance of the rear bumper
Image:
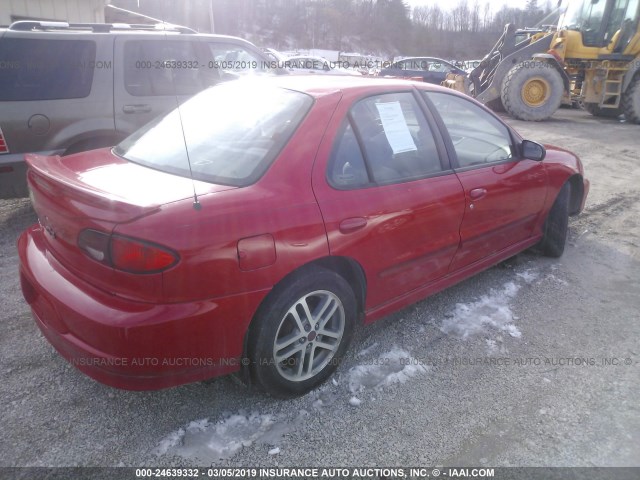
(126, 344)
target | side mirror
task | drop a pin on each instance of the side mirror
(533, 150)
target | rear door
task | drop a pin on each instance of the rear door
(387, 195)
(504, 194)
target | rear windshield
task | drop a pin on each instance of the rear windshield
(35, 69)
(232, 133)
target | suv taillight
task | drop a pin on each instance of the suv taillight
(4, 148)
(126, 253)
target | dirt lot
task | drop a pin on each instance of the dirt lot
(562, 389)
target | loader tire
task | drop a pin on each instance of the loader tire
(496, 105)
(631, 101)
(596, 111)
(532, 91)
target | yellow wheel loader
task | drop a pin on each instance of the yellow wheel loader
(592, 59)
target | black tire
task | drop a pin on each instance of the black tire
(631, 100)
(596, 111)
(532, 91)
(556, 226)
(290, 357)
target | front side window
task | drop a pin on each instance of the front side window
(387, 140)
(34, 69)
(231, 133)
(478, 138)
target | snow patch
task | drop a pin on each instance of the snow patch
(491, 311)
(205, 441)
(528, 275)
(553, 278)
(395, 366)
(367, 350)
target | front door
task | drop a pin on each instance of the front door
(503, 194)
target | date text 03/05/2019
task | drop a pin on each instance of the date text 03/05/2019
(314, 472)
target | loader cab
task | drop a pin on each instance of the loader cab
(603, 23)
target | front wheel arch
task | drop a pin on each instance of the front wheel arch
(556, 226)
(576, 183)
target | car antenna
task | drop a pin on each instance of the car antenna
(196, 203)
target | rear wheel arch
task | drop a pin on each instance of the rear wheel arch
(347, 268)
(271, 341)
(352, 272)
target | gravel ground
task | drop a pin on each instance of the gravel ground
(565, 393)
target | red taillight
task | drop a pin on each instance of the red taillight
(3, 143)
(125, 253)
(140, 257)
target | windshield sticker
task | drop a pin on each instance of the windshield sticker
(395, 127)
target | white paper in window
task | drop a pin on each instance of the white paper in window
(395, 127)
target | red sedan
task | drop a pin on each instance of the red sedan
(253, 228)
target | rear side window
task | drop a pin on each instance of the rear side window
(386, 140)
(166, 67)
(34, 69)
(346, 167)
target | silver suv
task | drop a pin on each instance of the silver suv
(66, 88)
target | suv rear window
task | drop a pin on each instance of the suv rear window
(34, 69)
(232, 133)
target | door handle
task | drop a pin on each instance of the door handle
(136, 108)
(350, 225)
(477, 193)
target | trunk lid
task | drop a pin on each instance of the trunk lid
(99, 190)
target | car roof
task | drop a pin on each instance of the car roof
(423, 58)
(319, 86)
(92, 30)
(306, 56)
